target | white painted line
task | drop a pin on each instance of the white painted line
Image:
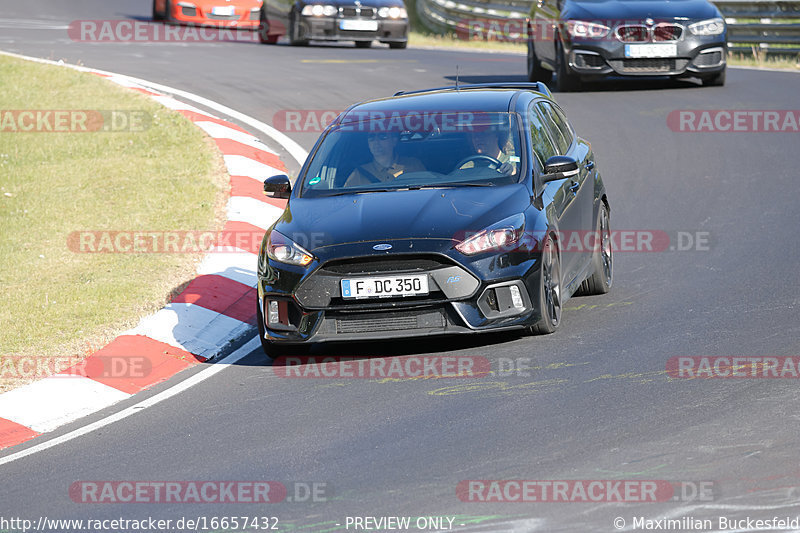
(239, 165)
(190, 327)
(54, 401)
(176, 389)
(239, 265)
(255, 212)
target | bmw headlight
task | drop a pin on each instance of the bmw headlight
(280, 248)
(320, 10)
(500, 236)
(586, 30)
(393, 12)
(713, 26)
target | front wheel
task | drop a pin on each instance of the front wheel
(602, 259)
(717, 80)
(157, 15)
(294, 32)
(535, 70)
(363, 44)
(566, 80)
(263, 30)
(549, 290)
(399, 45)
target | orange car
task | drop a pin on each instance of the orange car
(228, 13)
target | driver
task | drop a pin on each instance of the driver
(488, 141)
(386, 165)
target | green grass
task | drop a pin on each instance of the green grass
(57, 302)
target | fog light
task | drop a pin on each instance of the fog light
(516, 297)
(273, 317)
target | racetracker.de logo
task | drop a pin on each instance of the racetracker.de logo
(733, 367)
(137, 31)
(72, 121)
(172, 492)
(399, 367)
(565, 491)
(734, 120)
(376, 120)
(95, 367)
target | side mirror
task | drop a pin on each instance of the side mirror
(278, 186)
(559, 167)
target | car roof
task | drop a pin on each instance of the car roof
(484, 98)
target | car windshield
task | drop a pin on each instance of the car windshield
(392, 151)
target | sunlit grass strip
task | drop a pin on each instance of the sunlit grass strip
(163, 176)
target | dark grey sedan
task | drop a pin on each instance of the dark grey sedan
(335, 20)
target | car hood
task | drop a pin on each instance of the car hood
(323, 223)
(640, 9)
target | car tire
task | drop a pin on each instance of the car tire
(398, 46)
(535, 70)
(602, 259)
(363, 44)
(294, 31)
(549, 290)
(566, 80)
(716, 81)
(156, 14)
(263, 30)
(167, 12)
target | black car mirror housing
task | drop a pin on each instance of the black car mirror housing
(559, 167)
(278, 186)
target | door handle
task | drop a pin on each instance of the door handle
(589, 165)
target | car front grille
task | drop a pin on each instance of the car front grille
(365, 12)
(648, 65)
(639, 33)
(667, 32)
(632, 33)
(390, 321)
(381, 265)
(222, 17)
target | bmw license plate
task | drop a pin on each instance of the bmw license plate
(223, 11)
(385, 287)
(651, 50)
(358, 25)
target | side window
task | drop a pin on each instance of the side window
(542, 145)
(562, 134)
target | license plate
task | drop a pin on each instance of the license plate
(385, 287)
(223, 11)
(358, 25)
(651, 50)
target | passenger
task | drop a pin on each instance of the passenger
(386, 165)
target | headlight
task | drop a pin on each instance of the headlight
(320, 10)
(393, 12)
(498, 236)
(280, 248)
(586, 30)
(713, 26)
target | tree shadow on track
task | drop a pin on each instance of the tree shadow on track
(611, 84)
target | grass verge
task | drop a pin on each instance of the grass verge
(162, 175)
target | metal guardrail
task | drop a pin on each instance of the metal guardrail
(753, 25)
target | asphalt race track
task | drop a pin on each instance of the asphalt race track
(597, 404)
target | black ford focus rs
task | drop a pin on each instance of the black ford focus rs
(435, 212)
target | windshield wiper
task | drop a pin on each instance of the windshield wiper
(442, 185)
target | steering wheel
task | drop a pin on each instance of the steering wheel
(489, 161)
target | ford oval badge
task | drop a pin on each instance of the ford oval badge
(382, 247)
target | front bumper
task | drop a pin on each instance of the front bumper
(696, 56)
(461, 299)
(329, 29)
(190, 14)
